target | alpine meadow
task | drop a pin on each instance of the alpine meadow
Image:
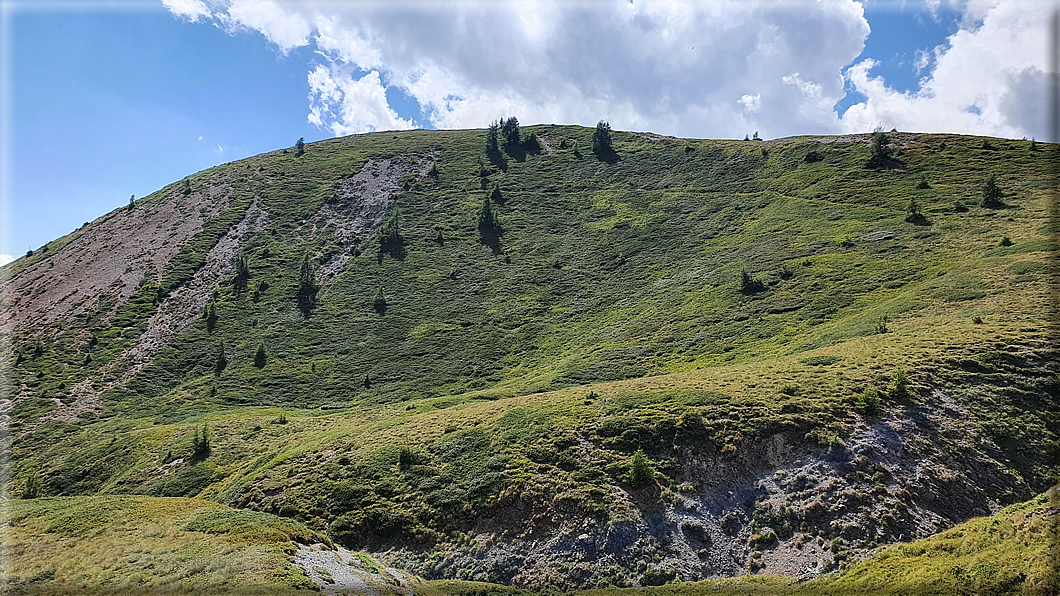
(546, 359)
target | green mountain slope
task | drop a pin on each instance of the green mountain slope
(372, 355)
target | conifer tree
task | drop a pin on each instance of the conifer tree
(640, 471)
(259, 356)
(487, 217)
(390, 239)
(210, 316)
(881, 151)
(242, 273)
(200, 444)
(379, 304)
(492, 142)
(992, 194)
(307, 285)
(602, 138)
(510, 131)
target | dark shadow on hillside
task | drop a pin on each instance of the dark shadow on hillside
(877, 162)
(492, 239)
(607, 155)
(498, 159)
(393, 247)
(516, 152)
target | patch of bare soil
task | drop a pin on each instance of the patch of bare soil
(361, 202)
(778, 507)
(108, 259)
(341, 572)
(180, 309)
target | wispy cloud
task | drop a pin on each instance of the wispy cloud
(192, 10)
(5, 259)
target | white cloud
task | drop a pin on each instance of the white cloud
(714, 69)
(989, 79)
(5, 259)
(751, 103)
(200, 137)
(287, 29)
(345, 105)
(921, 60)
(191, 10)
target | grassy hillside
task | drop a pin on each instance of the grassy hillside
(472, 396)
(143, 545)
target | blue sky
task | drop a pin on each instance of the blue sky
(103, 100)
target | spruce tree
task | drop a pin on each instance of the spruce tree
(602, 138)
(200, 444)
(992, 194)
(640, 470)
(510, 130)
(379, 304)
(210, 316)
(487, 217)
(242, 273)
(259, 356)
(389, 234)
(307, 285)
(492, 142)
(881, 151)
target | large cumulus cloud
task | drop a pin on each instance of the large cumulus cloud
(713, 69)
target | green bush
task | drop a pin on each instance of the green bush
(867, 403)
(750, 284)
(33, 487)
